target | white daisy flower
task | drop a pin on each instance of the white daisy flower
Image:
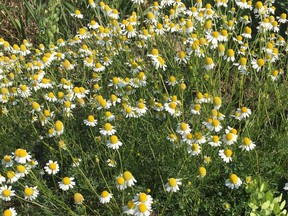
(233, 182)
(66, 183)
(173, 185)
(105, 197)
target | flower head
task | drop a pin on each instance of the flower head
(66, 183)
(173, 185)
(233, 182)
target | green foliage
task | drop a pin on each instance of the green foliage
(263, 201)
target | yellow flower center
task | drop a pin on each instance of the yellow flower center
(197, 107)
(215, 34)
(183, 126)
(246, 141)
(28, 191)
(142, 207)
(209, 61)
(172, 182)
(130, 204)
(172, 105)
(215, 122)
(199, 95)
(108, 127)
(78, 198)
(229, 136)
(161, 60)
(91, 118)
(127, 175)
(215, 139)
(21, 168)
(260, 62)
(242, 61)
(66, 181)
(59, 126)
(228, 153)
(7, 158)
(113, 139)
(6, 193)
(53, 166)
(7, 212)
(217, 101)
(195, 147)
(105, 194)
(233, 179)
(248, 30)
(10, 174)
(130, 28)
(142, 197)
(154, 52)
(120, 180)
(202, 171)
(141, 105)
(23, 87)
(230, 53)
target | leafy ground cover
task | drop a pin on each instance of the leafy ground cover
(150, 108)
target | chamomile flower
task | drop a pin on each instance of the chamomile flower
(90, 121)
(229, 138)
(214, 125)
(142, 210)
(51, 167)
(202, 172)
(159, 62)
(244, 112)
(30, 193)
(233, 182)
(120, 183)
(12, 176)
(207, 159)
(199, 138)
(214, 141)
(196, 108)
(217, 102)
(209, 64)
(114, 142)
(107, 129)
(247, 144)
(10, 212)
(172, 138)
(194, 149)
(22, 170)
(77, 14)
(24, 91)
(105, 197)
(173, 185)
(247, 32)
(7, 161)
(143, 198)
(6, 193)
(226, 155)
(66, 183)
(59, 127)
(111, 163)
(129, 209)
(183, 128)
(78, 198)
(141, 109)
(181, 57)
(129, 179)
(172, 108)
(22, 156)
